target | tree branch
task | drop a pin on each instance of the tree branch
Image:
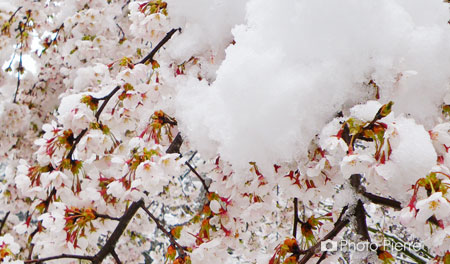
(180, 248)
(383, 201)
(105, 102)
(75, 143)
(149, 57)
(198, 176)
(62, 256)
(3, 222)
(120, 228)
(338, 226)
(361, 225)
(175, 145)
(296, 219)
(116, 257)
(107, 217)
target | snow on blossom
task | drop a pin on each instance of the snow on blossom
(355, 164)
(267, 102)
(440, 135)
(434, 205)
(412, 156)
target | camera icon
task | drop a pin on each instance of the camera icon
(328, 245)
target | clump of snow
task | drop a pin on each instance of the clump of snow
(294, 65)
(412, 158)
(210, 21)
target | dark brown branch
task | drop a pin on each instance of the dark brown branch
(97, 116)
(175, 145)
(383, 201)
(198, 176)
(3, 222)
(361, 224)
(121, 31)
(355, 181)
(324, 256)
(14, 14)
(62, 256)
(116, 257)
(149, 57)
(107, 217)
(46, 204)
(338, 226)
(344, 209)
(180, 249)
(75, 143)
(105, 102)
(117, 233)
(53, 39)
(296, 219)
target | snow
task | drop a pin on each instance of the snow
(284, 79)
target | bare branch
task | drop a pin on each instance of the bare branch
(105, 102)
(3, 222)
(383, 201)
(116, 257)
(198, 176)
(106, 217)
(117, 233)
(338, 226)
(361, 225)
(14, 14)
(149, 57)
(62, 256)
(296, 219)
(180, 248)
(97, 116)
(175, 145)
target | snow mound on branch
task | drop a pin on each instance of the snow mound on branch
(294, 65)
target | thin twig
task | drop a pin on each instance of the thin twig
(14, 14)
(53, 39)
(149, 57)
(180, 248)
(324, 256)
(105, 102)
(121, 31)
(75, 143)
(107, 217)
(3, 222)
(198, 176)
(18, 76)
(97, 116)
(62, 256)
(296, 219)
